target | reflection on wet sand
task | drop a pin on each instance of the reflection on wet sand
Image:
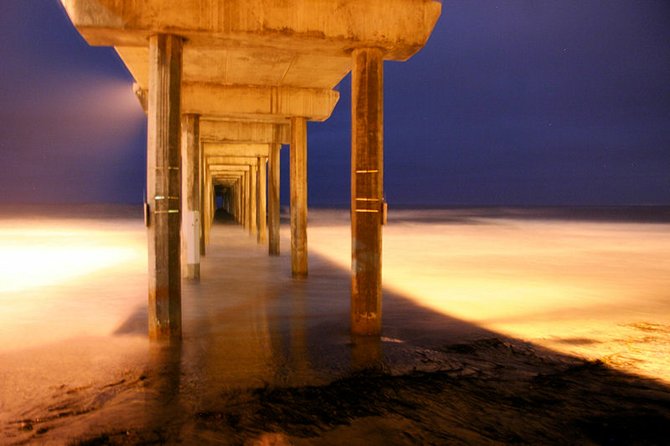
(266, 358)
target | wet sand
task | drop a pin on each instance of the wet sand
(268, 360)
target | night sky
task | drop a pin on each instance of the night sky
(510, 103)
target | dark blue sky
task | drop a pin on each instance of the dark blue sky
(515, 102)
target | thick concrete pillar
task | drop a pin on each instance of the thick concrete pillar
(367, 183)
(164, 186)
(298, 163)
(190, 222)
(273, 202)
(262, 200)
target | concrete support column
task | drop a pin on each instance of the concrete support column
(212, 206)
(202, 200)
(164, 186)
(273, 202)
(209, 204)
(298, 197)
(262, 200)
(247, 201)
(253, 228)
(367, 185)
(238, 200)
(190, 222)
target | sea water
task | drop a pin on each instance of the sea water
(75, 359)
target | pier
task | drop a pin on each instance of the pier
(225, 84)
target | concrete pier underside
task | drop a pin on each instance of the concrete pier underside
(249, 75)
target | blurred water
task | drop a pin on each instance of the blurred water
(74, 358)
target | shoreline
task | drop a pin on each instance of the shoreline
(266, 358)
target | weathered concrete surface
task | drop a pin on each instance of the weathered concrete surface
(260, 64)
(262, 103)
(257, 59)
(261, 187)
(252, 150)
(298, 164)
(253, 194)
(164, 187)
(263, 42)
(273, 199)
(367, 190)
(190, 147)
(236, 132)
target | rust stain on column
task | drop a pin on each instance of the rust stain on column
(273, 204)
(298, 182)
(164, 186)
(367, 173)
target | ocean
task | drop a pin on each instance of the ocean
(468, 292)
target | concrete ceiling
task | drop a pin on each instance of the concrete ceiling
(257, 60)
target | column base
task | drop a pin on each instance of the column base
(366, 324)
(192, 271)
(299, 274)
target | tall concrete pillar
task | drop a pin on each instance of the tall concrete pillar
(201, 162)
(247, 202)
(238, 198)
(273, 202)
(209, 204)
(367, 185)
(298, 163)
(190, 222)
(212, 205)
(236, 201)
(253, 228)
(164, 186)
(262, 200)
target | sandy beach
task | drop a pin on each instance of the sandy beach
(498, 329)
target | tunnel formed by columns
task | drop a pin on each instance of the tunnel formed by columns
(225, 84)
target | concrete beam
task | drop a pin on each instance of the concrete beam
(399, 27)
(258, 103)
(244, 132)
(230, 160)
(219, 181)
(247, 114)
(227, 175)
(252, 150)
(228, 168)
